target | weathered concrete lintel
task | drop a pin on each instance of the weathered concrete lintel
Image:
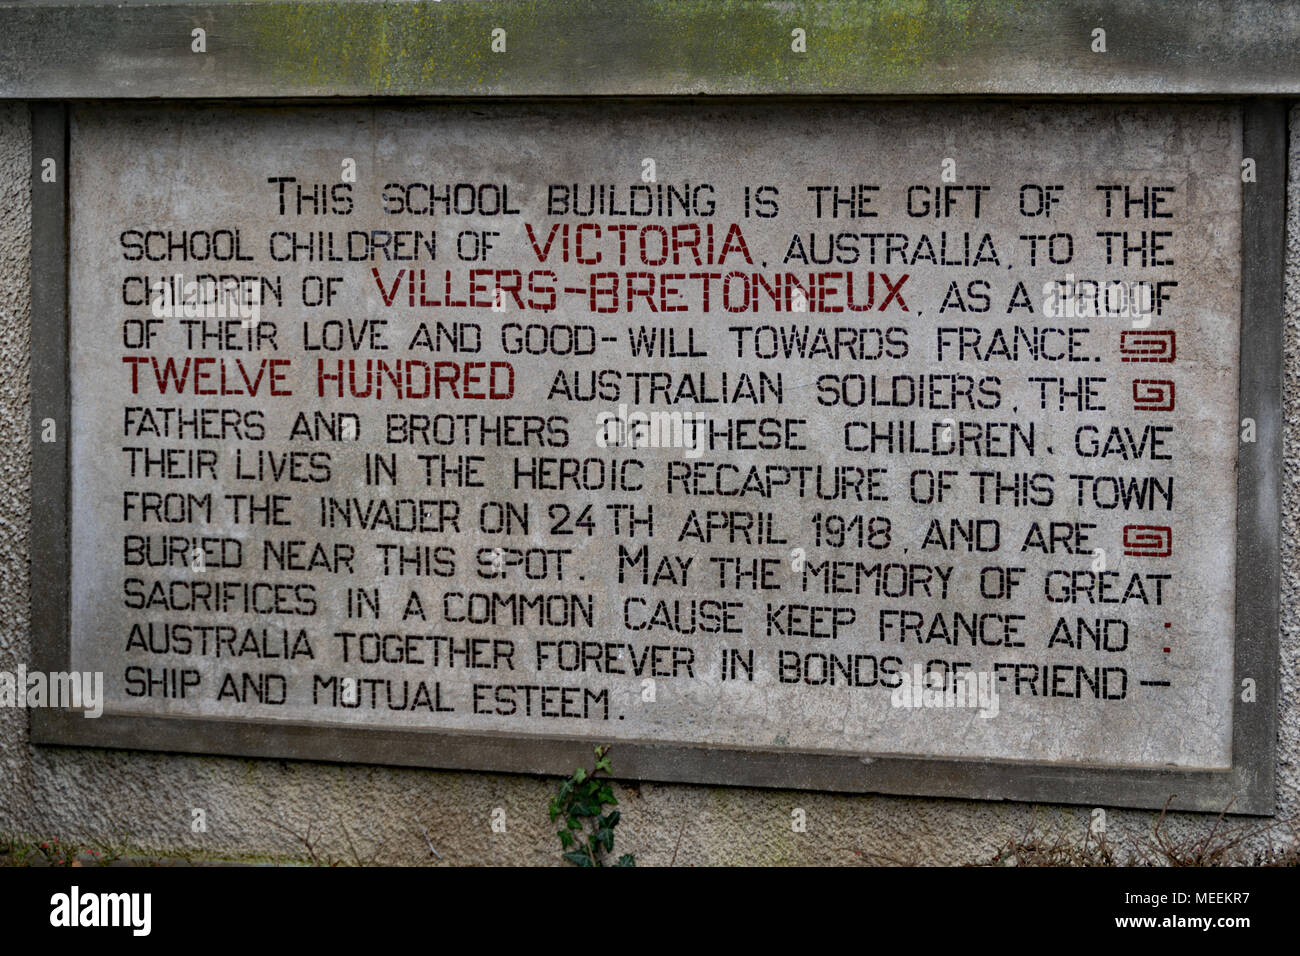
(1206, 792)
(57, 49)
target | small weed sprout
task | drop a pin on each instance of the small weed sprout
(587, 833)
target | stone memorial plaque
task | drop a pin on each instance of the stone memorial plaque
(850, 446)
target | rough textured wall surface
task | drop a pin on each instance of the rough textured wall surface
(351, 814)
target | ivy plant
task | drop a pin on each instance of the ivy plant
(587, 831)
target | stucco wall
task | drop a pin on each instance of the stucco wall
(356, 813)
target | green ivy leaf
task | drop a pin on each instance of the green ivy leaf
(581, 797)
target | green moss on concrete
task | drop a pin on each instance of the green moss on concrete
(732, 45)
